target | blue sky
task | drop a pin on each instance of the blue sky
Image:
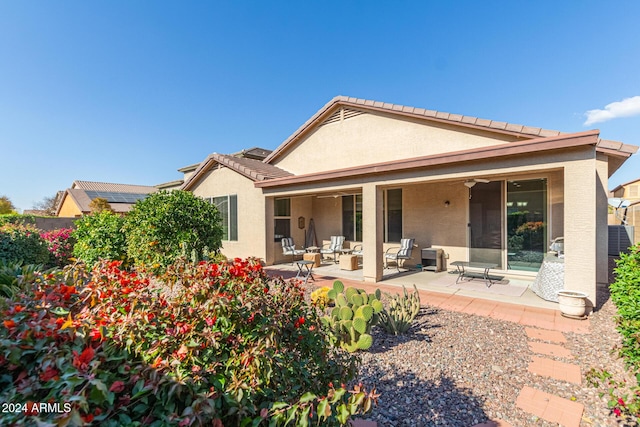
(129, 92)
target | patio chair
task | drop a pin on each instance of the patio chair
(396, 254)
(289, 248)
(358, 251)
(333, 248)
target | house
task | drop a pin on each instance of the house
(629, 192)
(375, 172)
(75, 200)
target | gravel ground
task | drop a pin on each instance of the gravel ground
(455, 369)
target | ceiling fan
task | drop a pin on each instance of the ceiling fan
(471, 182)
(334, 195)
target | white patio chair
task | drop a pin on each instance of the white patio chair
(334, 247)
(395, 254)
(289, 248)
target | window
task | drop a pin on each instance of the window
(352, 217)
(228, 208)
(282, 222)
(393, 215)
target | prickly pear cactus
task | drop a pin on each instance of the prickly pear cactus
(353, 316)
(402, 310)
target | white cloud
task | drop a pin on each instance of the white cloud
(625, 108)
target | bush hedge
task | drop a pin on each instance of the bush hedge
(22, 243)
(167, 224)
(60, 244)
(625, 293)
(230, 347)
(100, 236)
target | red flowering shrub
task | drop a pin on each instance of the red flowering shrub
(229, 348)
(60, 243)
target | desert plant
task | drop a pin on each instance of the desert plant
(396, 319)
(100, 236)
(22, 243)
(353, 316)
(162, 226)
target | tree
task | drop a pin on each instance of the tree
(100, 204)
(48, 205)
(167, 224)
(6, 207)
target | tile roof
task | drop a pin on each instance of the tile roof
(256, 170)
(119, 188)
(421, 113)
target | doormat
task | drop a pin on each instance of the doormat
(501, 287)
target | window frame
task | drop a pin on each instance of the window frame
(386, 215)
(230, 229)
(276, 217)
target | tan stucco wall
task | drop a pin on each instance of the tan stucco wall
(251, 209)
(69, 209)
(373, 138)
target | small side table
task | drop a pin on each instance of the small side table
(305, 270)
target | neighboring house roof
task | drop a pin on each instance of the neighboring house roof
(121, 197)
(619, 187)
(171, 184)
(256, 170)
(256, 153)
(328, 112)
(110, 187)
(189, 168)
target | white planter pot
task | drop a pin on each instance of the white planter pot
(573, 303)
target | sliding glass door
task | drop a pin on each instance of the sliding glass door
(485, 223)
(526, 224)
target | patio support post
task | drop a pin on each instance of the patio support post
(581, 223)
(372, 232)
(270, 256)
(602, 237)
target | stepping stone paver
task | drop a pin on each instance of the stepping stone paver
(549, 349)
(545, 335)
(363, 423)
(497, 423)
(554, 369)
(549, 407)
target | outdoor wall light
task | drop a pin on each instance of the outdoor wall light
(446, 204)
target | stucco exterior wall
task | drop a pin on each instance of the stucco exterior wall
(69, 209)
(251, 209)
(373, 138)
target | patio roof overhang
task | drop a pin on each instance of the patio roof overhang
(537, 145)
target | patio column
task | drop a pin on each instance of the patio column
(372, 231)
(581, 223)
(270, 256)
(602, 220)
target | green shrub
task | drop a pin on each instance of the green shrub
(17, 219)
(625, 293)
(167, 224)
(100, 236)
(15, 276)
(22, 243)
(229, 348)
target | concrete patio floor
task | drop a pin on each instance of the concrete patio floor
(527, 309)
(424, 281)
